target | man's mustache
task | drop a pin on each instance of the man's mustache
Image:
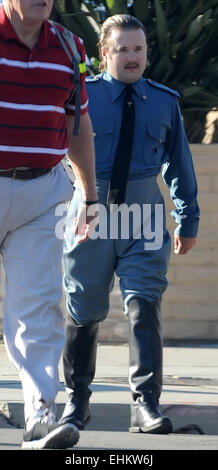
(131, 65)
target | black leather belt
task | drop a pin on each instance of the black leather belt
(26, 174)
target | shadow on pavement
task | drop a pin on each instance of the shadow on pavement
(186, 419)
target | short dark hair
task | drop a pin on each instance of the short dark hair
(122, 21)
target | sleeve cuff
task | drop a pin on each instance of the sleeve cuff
(188, 229)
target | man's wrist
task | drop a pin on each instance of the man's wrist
(90, 202)
(89, 192)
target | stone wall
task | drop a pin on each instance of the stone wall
(190, 304)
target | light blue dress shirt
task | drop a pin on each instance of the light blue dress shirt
(159, 142)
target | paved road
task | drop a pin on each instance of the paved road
(190, 396)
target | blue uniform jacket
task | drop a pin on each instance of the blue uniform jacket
(159, 140)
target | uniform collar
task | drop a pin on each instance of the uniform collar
(118, 87)
(7, 30)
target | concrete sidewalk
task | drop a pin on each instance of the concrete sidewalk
(190, 397)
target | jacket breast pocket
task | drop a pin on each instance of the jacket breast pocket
(155, 138)
(103, 138)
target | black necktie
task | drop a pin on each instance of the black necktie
(124, 150)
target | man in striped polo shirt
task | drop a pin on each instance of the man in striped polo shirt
(36, 131)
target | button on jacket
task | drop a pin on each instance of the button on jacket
(159, 142)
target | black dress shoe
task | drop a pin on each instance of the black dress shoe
(146, 417)
(77, 409)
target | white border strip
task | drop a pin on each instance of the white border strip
(35, 65)
(11, 148)
(31, 107)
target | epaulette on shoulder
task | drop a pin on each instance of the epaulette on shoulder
(93, 78)
(163, 87)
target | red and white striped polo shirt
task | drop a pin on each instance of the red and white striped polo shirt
(34, 86)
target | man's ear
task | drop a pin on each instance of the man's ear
(104, 55)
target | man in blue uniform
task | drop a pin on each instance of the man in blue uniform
(138, 128)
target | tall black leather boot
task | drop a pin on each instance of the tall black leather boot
(79, 359)
(145, 367)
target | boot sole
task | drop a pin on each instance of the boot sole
(161, 428)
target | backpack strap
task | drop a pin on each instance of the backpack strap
(78, 67)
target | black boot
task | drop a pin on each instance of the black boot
(145, 367)
(79, 360)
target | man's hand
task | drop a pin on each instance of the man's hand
(86, 221)
(183, 244)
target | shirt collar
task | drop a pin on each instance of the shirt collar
(7, 30)
(118, 87)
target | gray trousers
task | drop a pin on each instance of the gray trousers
(124, 246)
(32, 257)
